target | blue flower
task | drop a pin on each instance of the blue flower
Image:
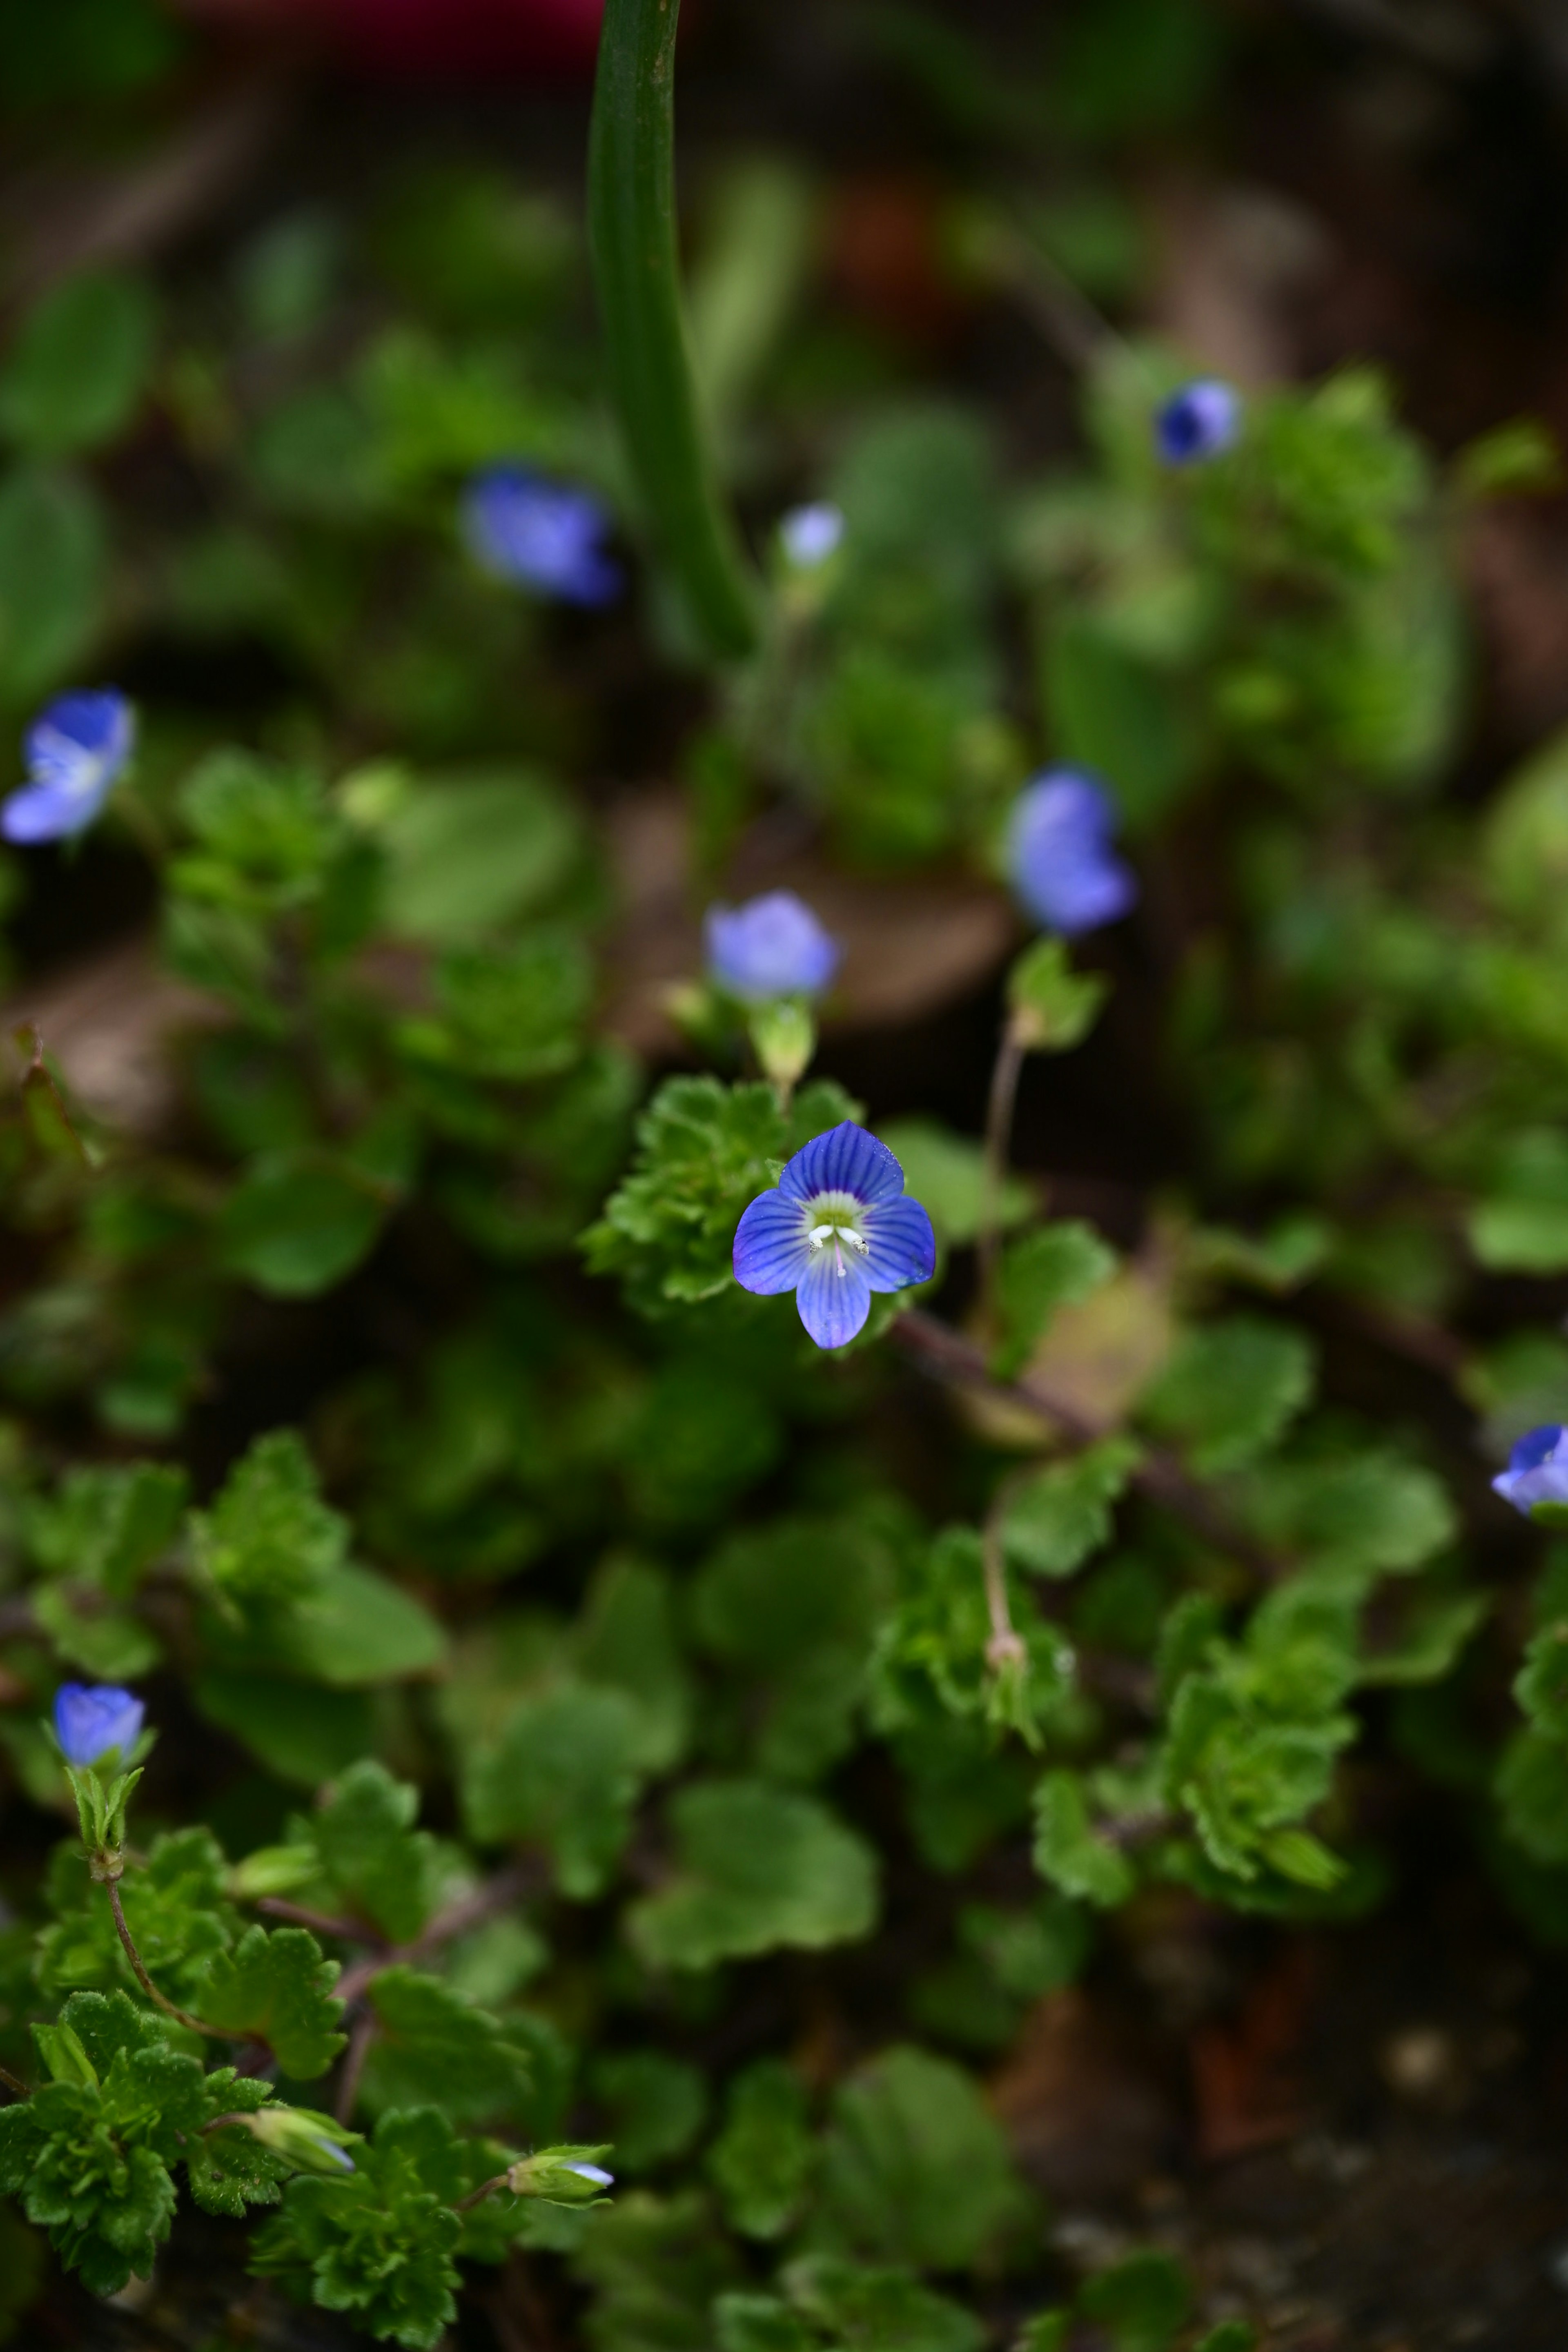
(594, 2172)
(1198, 421)
(811, 534)
(541, 534)
(1059, 856)
(772, 946)
(92, 1717)
(1537, 1470)
(74, 750)
(837, 1228)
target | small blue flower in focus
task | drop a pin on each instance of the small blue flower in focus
(74, 750)
(772, 946)
(1198, 422)
(1537, 1469)
(1060, 858)
(92, 1717)
(594, 2172)
(537, 533)
(837, 1228)
(811, 534)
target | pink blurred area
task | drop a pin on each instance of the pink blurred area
(430, 37)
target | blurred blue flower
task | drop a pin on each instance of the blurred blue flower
(594, 2172)
(1537, 1469)
(836, 1227)
(1198, 422)
(811, 534)
(772, 946)
(92, 1717)
(541, 534)
(1060, 858)
(74, 750)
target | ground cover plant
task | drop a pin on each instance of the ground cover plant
(629, 1591)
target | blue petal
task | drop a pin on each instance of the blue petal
(1535, 1445)
(92, 725)
(901, 1245)
(834, 1296)
(47, 812)
(92, 1718)
(771, 1249)
(845, 1160)
(772, 946)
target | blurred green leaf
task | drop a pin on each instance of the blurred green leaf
(77, 369)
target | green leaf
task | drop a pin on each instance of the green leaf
(627, 1642)
(1066, 1851)
(266, 832)
(1540, 1687)
(1114, 713)
(1531, 1784)
(1055, 1266)
(435, 2045)
(945, 1173)
(53, 568)
(297, 1222)
(915, 2169)
(107, 1524)
(107, 1642)
(761, 2323)
(276, 1986)
(1358, 1515)
(512, 1012)
(655, 2265)
(1139, 2302)
(77, 369)
(761, 2161)
(791, 1611)
(1053, 1008)
(354, 1629)
(381, 1867)
(758, 1869)
(1056, 1521)
(300, 1731)
(880, 2310)
(175, 1906)
(470, 855)
(268, 1537)
(1242, 1777)
(1229, 1391)
(656, 2105)
(564, 1774)
(378, 2243)
(704, 1151)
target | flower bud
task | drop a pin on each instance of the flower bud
(561, 2176)
(310, 2142)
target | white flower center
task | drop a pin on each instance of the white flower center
(838, 1218)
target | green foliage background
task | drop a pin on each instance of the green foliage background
(559, 1670)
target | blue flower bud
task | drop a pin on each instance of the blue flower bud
(837, 1228)
(537, 533)
(1537, 1470)
(811, 534)
(1059, 858)
(310, 2141)
(594, 2172)
(771, 946)
(92, 1718)
(74, 750)
(1198, 421)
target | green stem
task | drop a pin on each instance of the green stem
(631, 225)
(170, 2009)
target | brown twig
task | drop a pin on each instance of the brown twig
(170, 2009)
(477, 2195)
(347, 1931)
(14, 2084)
(366, 2029)
(469, 1911)
(948, 1355)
